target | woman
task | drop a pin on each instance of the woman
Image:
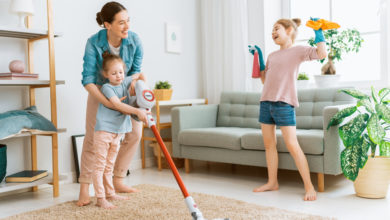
(115, 38)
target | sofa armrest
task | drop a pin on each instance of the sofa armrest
(199, 116)
(332, 142)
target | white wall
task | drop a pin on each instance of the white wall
(76, 21)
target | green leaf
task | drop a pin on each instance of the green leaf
(354, 93)
(383, 93)
(350, 162)
(374, 95)
(375, 129)
(366, 103)
(339, 116)
(372, 144)
(384, 112)
(363, 153)
(350, 132)
(384, 149)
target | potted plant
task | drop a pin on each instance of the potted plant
(338, 43)
(302, 80)
(365, 129)
(162, 90)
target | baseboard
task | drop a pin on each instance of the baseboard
(137, 164)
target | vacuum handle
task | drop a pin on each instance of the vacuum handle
(170, 161)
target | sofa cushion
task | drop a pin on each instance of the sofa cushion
(312, 102)
(221, 137)
(239, 109)
(311, 141)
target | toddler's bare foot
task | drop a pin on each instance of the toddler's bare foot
(83, 198)
(120, 187)
(103, 203)
(267, 187)
(310, 194)
(118, 197)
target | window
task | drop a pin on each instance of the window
(364, 66)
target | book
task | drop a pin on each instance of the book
(26, 176)
(6, 76)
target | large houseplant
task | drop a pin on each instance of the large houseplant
(338, 43)
(365, 129)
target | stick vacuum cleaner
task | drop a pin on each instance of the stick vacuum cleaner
(145, 100)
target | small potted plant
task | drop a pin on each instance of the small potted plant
(365, 129)
(162, 90)
(338, 43)
(302, 80)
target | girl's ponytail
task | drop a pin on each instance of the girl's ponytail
(297, 21)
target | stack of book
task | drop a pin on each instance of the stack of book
(26, 176)
(7, 76)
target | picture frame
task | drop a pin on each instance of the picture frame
(77, 142)
(172, 38)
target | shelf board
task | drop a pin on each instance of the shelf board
(28, 82)
(182, 102)
(5, 187)
(30, 133)
(24, 33)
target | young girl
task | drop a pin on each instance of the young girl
(279, 99)
(110, 127)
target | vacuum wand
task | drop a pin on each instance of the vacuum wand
(146, 100)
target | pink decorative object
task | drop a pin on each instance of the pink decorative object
(16, 66)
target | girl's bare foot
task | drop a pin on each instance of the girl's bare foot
(310, 194)
(118, 197)
(120, 187)
(84, 195)
(267, 187)
(103, 203)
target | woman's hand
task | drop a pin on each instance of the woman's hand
(132, 87)
(136, 76)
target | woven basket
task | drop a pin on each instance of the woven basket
(3, 161)
(162, 94)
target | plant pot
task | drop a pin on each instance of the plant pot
(323, 81)
(302, 84)
(3, 161)
(162, 94)
(373, 180)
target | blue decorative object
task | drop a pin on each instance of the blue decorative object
(3, 161)
(12, 122)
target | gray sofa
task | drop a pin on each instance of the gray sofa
(230, 132)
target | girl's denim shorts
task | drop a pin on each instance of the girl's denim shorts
(277, 113)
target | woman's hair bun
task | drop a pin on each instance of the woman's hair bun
(99, 19)
(297, 21)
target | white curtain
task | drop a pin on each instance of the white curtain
(224, 27)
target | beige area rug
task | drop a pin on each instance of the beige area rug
(156, 202)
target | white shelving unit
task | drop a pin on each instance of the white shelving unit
(32, 35)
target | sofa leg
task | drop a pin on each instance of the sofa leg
(321, 184)
(187, 165)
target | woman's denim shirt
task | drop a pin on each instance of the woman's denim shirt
(131, 53)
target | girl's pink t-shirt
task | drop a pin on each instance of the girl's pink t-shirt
(281, 73)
